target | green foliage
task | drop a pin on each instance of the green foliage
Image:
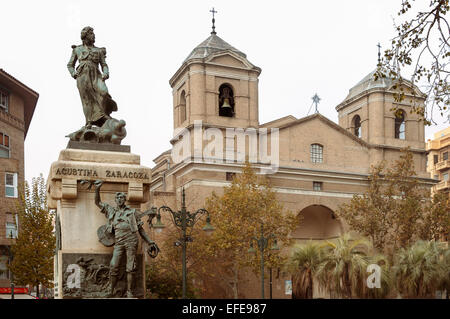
(164, 284)
(422, 42)
(164, 273)
(445, 283)
(303, 264)
(344, 266)
(340, 266)
(437, 222)
(422, 268)
(396, 210)
(237, 216)
(34, 248)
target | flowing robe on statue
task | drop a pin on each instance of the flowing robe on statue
(97, 103)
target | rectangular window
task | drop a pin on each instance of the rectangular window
(445, 176)
(11, 230)
(11, 225)
(317, 186)
(230, 176)
(316, 151)
(4, 273)
(445, 156)
(4, 145)
(401, 133)
(4, 101)
(435, 159)
(11, 185)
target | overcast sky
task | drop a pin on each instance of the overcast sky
(302, 47)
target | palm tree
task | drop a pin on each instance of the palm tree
(421, 269)
(445, 284)
(303, 264)
(344, 266)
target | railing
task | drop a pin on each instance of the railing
(442, 165)
(442, 185)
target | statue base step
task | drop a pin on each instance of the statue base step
(99, 146)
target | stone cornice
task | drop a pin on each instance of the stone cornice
(204, 62)
(161, 193)
(374, 90)
(9, 119)
(283, 170)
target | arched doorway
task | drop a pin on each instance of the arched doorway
(318, 222)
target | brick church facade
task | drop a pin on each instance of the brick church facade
(320, 164)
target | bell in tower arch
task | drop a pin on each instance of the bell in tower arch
(226, 101)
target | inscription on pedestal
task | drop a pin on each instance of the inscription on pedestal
(83, 172)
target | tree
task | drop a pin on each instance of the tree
(396, 210)
(344, 265)
(236, 216)
(340, 266)
(34, 248)
(437, 222)
(422, 41)
(164, 274)
(421, 268)
(303, 264)
(165, 284)
(445, 284)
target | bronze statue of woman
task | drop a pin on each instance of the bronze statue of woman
(97, 103)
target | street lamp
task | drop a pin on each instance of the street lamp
(183, 219)
(262, 245)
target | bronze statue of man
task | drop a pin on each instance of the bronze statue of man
(123, 223)
(97, 103)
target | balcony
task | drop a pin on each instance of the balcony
(442, 185)
(442, 165)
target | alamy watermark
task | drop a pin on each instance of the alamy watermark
(74, 278)
(374, 279)
(228, 145)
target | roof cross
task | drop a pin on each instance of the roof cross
(379, 52)
(213, 21)
(316, 100)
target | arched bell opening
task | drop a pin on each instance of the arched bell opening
(226, 101)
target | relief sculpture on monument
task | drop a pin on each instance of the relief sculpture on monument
(88, 276)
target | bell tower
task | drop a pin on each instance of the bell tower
(367, 112)
(217, 85)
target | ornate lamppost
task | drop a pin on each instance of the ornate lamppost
(262, 245)
(183, 219)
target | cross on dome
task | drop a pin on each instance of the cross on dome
(213, 21)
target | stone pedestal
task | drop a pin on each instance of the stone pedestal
(81, 261)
